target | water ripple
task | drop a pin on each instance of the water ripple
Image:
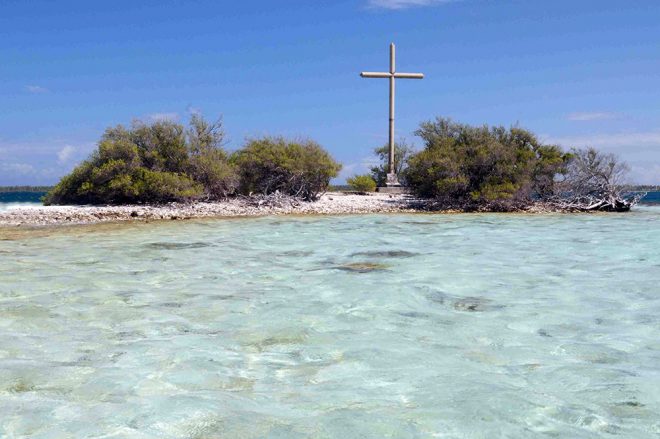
(357, 326)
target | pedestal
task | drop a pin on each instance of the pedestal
(392, 185)
(392, 190)
(392, 180)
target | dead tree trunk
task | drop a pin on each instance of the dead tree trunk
(593, 183)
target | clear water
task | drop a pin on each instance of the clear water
(471, 326)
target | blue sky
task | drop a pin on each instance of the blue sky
(576, 72)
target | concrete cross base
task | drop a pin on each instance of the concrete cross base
(392, 190)
(392, 180)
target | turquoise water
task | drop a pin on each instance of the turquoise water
(651, 198)
(13, 200)
(450, 326)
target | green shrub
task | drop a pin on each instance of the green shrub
(112, 183)
(164, 186)
(74, 187)
(482, 165)
(217, 176)
(298, 168)
(163, 161)
(362, 183)
(156, 162)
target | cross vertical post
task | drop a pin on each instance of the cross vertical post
(392, 179)
(391, 169)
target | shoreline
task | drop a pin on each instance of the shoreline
(331, 203)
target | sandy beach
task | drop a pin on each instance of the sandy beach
(332, 203)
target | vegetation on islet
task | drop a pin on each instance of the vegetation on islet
(460, 167)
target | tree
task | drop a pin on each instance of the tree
(402, 152)
(594, 181)
(203, 135)
(151, 162)
(208, 162)
(300, 168)
(475, 167)
(551, 162)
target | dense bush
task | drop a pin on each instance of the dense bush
(466, 165)
(362, 183)
(298, 168)
(208, 160)
(155, 162)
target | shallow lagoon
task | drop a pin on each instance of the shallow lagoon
(452, 326)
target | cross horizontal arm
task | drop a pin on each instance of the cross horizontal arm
(376, 75)
(390, 75)
(409, 75)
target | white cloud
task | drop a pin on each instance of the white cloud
(641, 150)
(649, 174)
(403, 4)
(586, 117)
(64, 154)
(17, 168)
(363, 166)
(347, 171)
(645, 140)
(36, 89)
(161, 117)
(39, 162)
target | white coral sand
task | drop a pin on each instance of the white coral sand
(332, 203)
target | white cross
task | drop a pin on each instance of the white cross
(392, 179)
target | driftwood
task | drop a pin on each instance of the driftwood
(593, 182)
(612, 202)
(300, 185)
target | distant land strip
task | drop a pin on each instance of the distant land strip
(6, 189)
(641, 188)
